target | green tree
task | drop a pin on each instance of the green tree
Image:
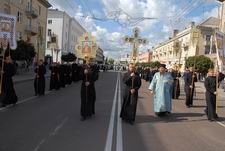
(202, 63)
(110, 61)
(154, 64)
(24, 52)
(70, 57)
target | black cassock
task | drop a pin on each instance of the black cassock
(88, 94)
(68, 74)
(189, 91)
(210, 85)
(75, 72)
(8, 91)
(54, 79)
(39, 81)
(176, 84)
(62, 70)
(128, 111)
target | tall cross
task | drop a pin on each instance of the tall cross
(136, 41)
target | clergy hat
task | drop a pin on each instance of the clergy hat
(162, 65)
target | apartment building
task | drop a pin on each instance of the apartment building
(31, 20)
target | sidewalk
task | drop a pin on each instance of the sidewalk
(27, 76)
(201, 88)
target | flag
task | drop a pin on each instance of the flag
(219, 39)
(8, 30)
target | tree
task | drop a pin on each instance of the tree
(154, 64)
(24, 52)
(110, 61)
(202, 63)
(70, 57)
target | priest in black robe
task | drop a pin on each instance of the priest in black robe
(62, 79)
(132, 83)
(88, 75)
(210, 86)
(54, 78)
(176, 84)
(68, 74)
(75, 72)
(39, 81)
(189, 86)
(8, 92)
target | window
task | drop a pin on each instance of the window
(49, 32)
(49, 21)
(39, 10)
(208, 44)
(19, 17)
(6, 9)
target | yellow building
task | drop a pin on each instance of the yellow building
(194, 40)
(31, 20)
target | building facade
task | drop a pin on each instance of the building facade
(31, 20)
(99, 56)
(194, 40)
(67, 29)
(145, 57)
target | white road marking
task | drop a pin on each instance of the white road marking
(55, 131)
(109, 139)
(39, 145)
(119, 139)
(220, 123)
(59, 127)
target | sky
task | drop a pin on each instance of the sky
(110, 20)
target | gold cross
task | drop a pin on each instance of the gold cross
(135, 40)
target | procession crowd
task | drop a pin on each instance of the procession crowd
(164, 85)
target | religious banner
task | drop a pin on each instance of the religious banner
(87, 46)
(8, 30)
(219, 38)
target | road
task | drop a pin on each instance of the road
(52, 122)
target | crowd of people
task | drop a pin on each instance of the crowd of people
(164, 85)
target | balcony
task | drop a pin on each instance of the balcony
(31, 12)
(31, 30)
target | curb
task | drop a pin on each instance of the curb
(26, 80)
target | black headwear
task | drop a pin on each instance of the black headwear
(162, 65)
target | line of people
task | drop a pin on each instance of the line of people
(61, 75)
(64, 74)
(165, 86)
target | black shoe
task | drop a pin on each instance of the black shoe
(212, 120)
(82, 118)
(131, 122)
(216, 116)
(3, 105)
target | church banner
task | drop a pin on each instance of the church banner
(8, 31)
(87, 46)
(220, 50)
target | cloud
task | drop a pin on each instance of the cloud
(126, 14)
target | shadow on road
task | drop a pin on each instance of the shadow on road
(174, 117)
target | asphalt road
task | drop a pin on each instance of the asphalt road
(52, 122)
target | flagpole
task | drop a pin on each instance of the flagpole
(177, 76)
(217, 72)
(2, 68)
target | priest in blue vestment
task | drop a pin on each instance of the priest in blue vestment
(161, 87)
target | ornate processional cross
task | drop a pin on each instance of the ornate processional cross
(136, 41)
